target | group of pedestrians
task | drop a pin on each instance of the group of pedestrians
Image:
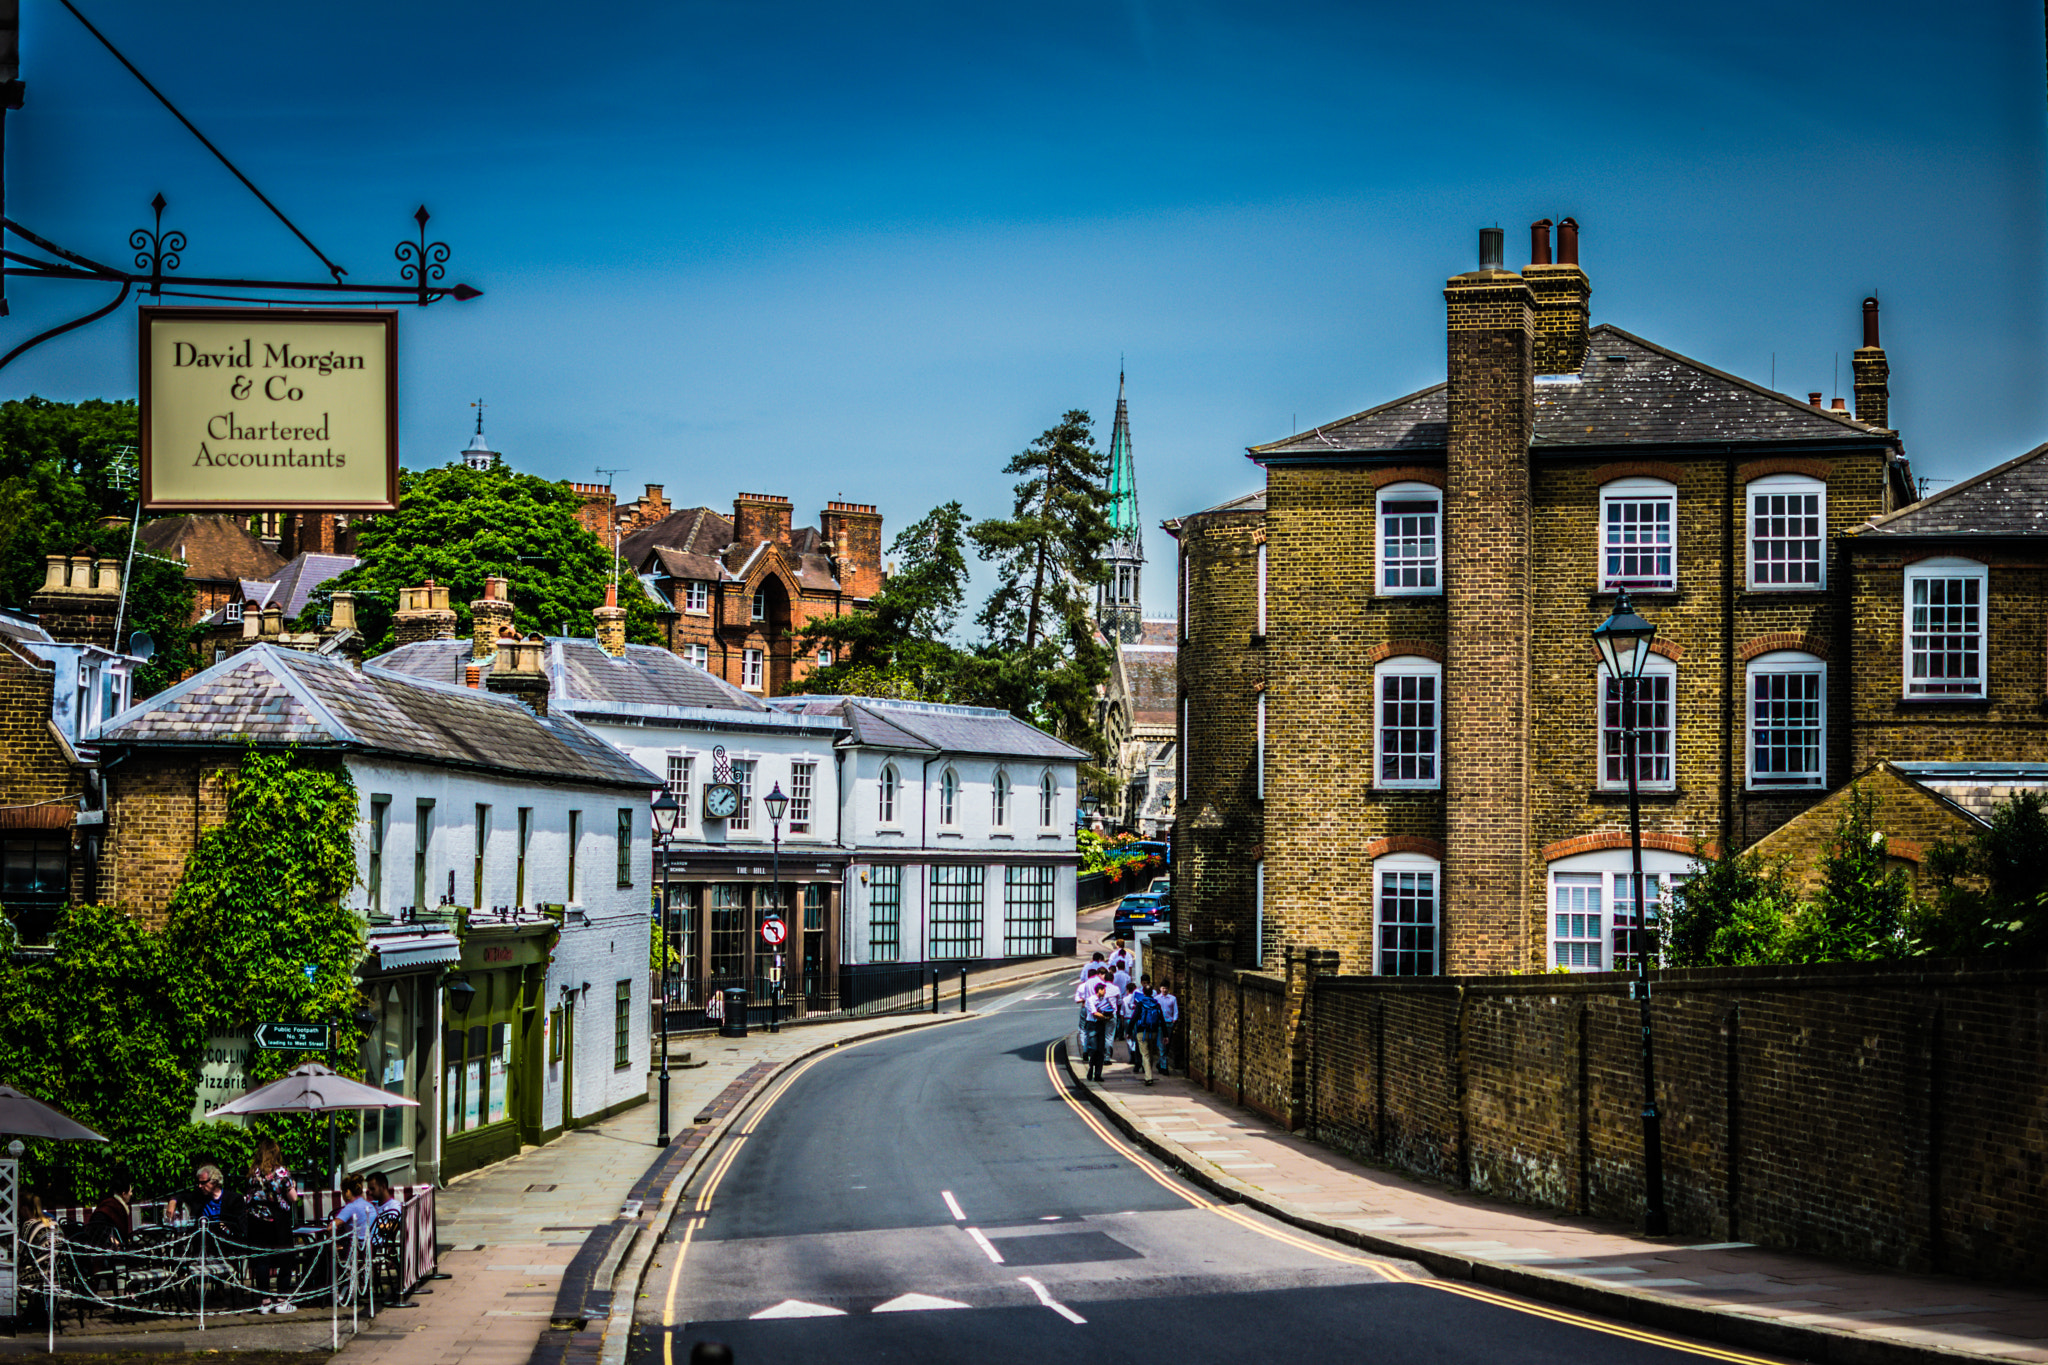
(1119, 1006)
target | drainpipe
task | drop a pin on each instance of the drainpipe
(1733, 750)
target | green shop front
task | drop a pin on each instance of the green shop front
(494, 1041)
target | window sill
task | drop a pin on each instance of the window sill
(1001, 834)
(1643, 793)
(1406, 596)
(696, 611)
(1406, 789)
(1604, 596)
(1945, 701)
(889, 829)
(1778, 591)
(1785, 789)
(952, 834)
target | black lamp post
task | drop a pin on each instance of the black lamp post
(666, 812)
(778, 806)
(1623, 640)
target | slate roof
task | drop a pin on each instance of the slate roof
(1631, 392)
(698, 543)
(303, 575)
(210, 547)
(693, 530)
(930, 726)
(276, 696)
(1976, 788)
(1150, 669)
(2009, 500)
(583, 672)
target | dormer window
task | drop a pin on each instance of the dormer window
(232, 613)
(696, 595)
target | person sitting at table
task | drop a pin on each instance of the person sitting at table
(208, 1201)
(111, 1222)
(356, 1213)
(36, 1227)
(381, 1195)
(273, 1208)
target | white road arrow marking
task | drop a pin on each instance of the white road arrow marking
(1050, 1302)
(797, 1308)
(915, 1303)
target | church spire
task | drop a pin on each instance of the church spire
(478, 453)
(1119, 602)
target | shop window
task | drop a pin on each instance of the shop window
(35, 874)
(956, 912)
(885, 914)
(1027, 911)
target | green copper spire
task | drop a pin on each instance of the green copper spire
(1123, 478)
(1119, 604)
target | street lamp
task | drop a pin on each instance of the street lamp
(666, 812)
(1623, 640)
(778, 806)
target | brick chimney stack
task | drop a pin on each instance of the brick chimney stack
(79, 599)
(1873, 373)
(423, 614)
(611, 623)
(520, 672)
(855, 532)
(1562, 291)
(489, 617)
(760, 516)
(1491, 344)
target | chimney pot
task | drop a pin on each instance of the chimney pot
(1491, 252)
(1568, 241)
(1840, 404)
(1813, 399)
(342, 612)
(1539, 242)
(474, 675)
(1870, 322)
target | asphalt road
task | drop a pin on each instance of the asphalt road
(934, 1197)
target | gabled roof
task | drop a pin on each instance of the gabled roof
(693, 530)
(210, 547)
(276, 696)
(1630, 392)
(585, 677)
(925, 727)
(302, 576)
(2009, 500)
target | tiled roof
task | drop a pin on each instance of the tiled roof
(1977, 788)
(682, 564)
(210, 547)
(2009, 500)
(584, 673)
(693, 530)
(276, 696)
(1250, 502)
(925, 726)
(305, 574)
(1631, 392)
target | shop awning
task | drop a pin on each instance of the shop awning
(421, 950)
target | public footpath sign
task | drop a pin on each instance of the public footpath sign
(292, 1037)
(774, 931)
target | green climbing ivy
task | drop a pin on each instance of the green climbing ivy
(112, 1025)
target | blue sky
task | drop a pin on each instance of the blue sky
(870, 252)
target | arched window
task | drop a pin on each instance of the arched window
(1408, 725)
(999, 800)
(1639, 535)
(885, 795)
(1406, 897)
(1593, 923)
(949, 798)
(1410, 539)
(1788, 720)
(1048, 801)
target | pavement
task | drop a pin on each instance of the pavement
(1731, 1292)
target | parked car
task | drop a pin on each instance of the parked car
(1140, 910)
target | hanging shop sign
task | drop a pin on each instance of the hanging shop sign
(274, 410)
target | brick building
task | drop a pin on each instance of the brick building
(743, 588)
(1140, 729)
(1432, 567)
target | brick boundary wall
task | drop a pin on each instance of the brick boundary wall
(1888, 1113)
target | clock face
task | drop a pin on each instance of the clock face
(721, 799)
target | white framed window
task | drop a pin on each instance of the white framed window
(1410, 539)
(885, 796)
(743, 814)
(1048, 800)
(1259, 745)
(760, 604)
(957, 900)
(1639, 535)
(802, 778)
(680, 768)
(1262, 587)
(1656, 697)
(824, 658)
(1408, 723)
(1945, 627)
(696, 595)
(1788, 533)
(949, 797)
(699, 655)
(1406, 901)
(1593, 924)
(1788, 720)
(999, 800)
(750, 669)
(232, 613)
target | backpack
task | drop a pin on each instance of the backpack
(1146, 1014)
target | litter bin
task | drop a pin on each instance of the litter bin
(734, 1025)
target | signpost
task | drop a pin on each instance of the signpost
(293, 1037)
(279, 409)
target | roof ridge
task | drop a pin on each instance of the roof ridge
(1317, 431)
(273, 658)
(1841, 418)
(1955, 488)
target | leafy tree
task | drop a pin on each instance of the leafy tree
(1863, 909)
(67, 483)
(1733, 911)
(459, 526)
(1043, 649)
(1990, 891)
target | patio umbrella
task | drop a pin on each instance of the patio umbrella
(25, 1116)
(312, 1089)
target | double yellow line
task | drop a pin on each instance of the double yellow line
(1388, 1269)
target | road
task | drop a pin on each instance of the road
(937, 1196)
